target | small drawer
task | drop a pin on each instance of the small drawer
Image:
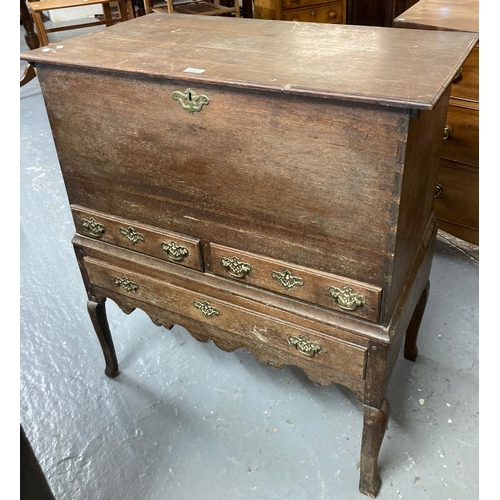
(302, 342)
(466, 83)
(150, 240)
(328, 290)
(301, 4)
(457, 195)
(332, 13)
(461, 137)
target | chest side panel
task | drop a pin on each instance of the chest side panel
(304, 180)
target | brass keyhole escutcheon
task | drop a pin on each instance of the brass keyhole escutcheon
(190, 101)
(287, 280)
(132, 235)
(206, 309)
(124, 282)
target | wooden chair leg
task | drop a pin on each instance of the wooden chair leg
(30, 36)
(40, 28)
(375, 424)
(97, 312)
(106, 10)
(126, 9)
(411, 349)
(28, 75)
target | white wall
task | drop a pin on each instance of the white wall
(72, 13)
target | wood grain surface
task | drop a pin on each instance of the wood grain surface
(404, 68)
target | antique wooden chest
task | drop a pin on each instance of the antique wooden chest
(457, 188)
(266, 185)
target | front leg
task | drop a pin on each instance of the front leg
(97, 311)
(375, 424)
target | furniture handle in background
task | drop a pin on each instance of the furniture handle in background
(190, 101)
(174, 251)
(447, 133)
(125, 283)
(458, 75)
(332, 14)
(313, 13)
(132, 235)
(304, 345)
(207, 309)
(438, 191)
(235, 267)
(95, 229)
(346, 298)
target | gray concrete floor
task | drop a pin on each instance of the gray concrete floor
(187, 421)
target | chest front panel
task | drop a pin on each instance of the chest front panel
(306, 181)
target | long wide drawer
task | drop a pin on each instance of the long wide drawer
(461, 141)
(173, 247)
(466, 85)
(331, 13)
(328, 290)
(457, 194)
(319, 348)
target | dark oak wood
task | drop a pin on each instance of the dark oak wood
(328, 201)
(97, 312)
(374, 426)
(411, 350)
(30, 36)
(313, 11)
(457, 192)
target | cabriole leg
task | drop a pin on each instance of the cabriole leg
(97, 311)
(411, 350)
(375, 423)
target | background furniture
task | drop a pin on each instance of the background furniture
(37, 9)
(457, 190)
(200, 7)
(30, 36)
(316, 11)
(311, 242)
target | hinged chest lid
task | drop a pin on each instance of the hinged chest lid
(387, 66)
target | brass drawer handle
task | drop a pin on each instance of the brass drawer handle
(332, 14)
(192, 102)
(313, 13)
(207, 309)
(95, 228)
(132, 235)
(174, 251)
(125, 283)
(447, 133)
(438, 191)
(286, 279)
(235, 267)
(304, 345)
(458, 75)
(346, 298)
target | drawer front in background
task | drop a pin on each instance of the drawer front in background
(173, 247)
(341, 294)
(457, 195)
(463, 142)
(336, 354)
(333, 13)
(467, 84)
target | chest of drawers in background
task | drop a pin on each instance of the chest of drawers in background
(312, 11)
(280, 207)
(457, 189)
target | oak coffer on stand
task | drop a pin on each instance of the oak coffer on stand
(266, 185)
